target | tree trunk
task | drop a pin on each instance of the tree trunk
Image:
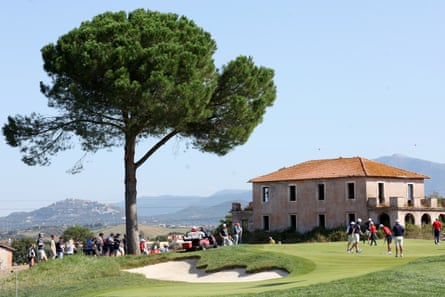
(131, 218)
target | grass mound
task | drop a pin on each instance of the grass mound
(253, 259)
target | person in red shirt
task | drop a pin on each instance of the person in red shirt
(437, 226)
(373, 234)
(388, 237)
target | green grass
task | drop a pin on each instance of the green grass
(315, 269)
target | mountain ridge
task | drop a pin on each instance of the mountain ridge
(195, 210)
(436, 171)
(182, 210)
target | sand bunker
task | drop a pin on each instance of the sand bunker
(186, 271)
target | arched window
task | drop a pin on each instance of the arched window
(409, 219)
(384, 219)
(426, 219)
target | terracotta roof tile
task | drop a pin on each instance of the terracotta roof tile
(335, 168)
(7, 247)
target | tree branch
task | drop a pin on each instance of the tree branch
(156, 147)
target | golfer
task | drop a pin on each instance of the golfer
(398, 231)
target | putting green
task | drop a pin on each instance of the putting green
(331, 260)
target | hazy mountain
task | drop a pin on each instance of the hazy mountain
(177, 210)
(182, 210)
(206, 211)
(436, 171)
(149, 206)
(67, 212)
(226, 196)
(195, 215)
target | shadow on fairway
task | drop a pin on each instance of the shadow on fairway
(277, 284)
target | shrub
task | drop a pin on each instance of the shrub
(77, 233)
(326, 235)
(337, 235)
(20, 255)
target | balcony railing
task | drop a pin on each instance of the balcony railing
(402, 202)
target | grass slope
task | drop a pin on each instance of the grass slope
(316, 269)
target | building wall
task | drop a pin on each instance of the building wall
(336, 207)
(396, 188)
(5, 259)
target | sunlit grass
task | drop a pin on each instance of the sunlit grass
(316, 269)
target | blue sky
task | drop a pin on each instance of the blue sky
(354, 78)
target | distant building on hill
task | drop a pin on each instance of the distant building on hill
(331, 193)
(6, 257)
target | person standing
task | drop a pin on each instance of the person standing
(237, 232)
(367, 237)
(373, 234)
(117, 246)
(100, 244)
(70, 248)
(437, 227)
(31, 255)
(356, 233)
(109, 245)
(60, 246)
(388, 237)
(358, 226)
(41, 248)
(398, 232)
(53, 246)
(224, 233)
(90, 249)
(125, 244)
(350, 236)
(143, 247)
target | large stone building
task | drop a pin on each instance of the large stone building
(330, 193)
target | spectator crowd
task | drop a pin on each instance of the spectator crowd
(113, 245)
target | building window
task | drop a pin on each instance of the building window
(381, 193)
(244, 224)
(292, 193)
(350, 188)
(293, 222)
(351, 218)
(321, 221)
(265, 194)
(410, 194)
(266, 226)
(321, 191)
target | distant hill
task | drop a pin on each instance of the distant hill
(169, 210)
(149, 206)
(67, 212)
(436, 171)
(181, 210)
(207, 211)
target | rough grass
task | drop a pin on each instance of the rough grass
(316, 269)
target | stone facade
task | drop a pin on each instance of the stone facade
(331, 193)
(5, 257)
